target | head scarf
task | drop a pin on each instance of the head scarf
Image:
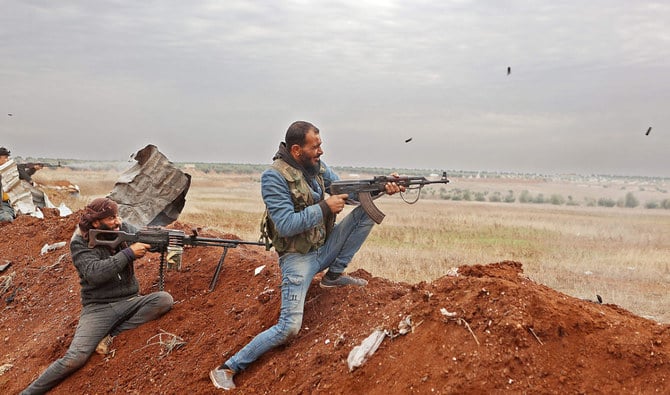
(98, 209)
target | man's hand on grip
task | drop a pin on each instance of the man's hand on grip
(139, 249)
(336, 202)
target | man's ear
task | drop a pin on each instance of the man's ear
(96, 224)
(296, 150)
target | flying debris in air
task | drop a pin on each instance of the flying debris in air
(648, 130)
(408, 140)
(509, 70)
(10, 114)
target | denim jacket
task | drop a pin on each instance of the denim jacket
(290, 223)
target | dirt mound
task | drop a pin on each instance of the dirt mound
(486, 328)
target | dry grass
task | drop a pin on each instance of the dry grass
(620, 254)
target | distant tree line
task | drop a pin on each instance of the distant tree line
(216, 168)
(455, 194)
(628, 201)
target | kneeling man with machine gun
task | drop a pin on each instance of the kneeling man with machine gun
(110, 297)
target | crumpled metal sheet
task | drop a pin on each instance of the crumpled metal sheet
(19, 196)
(153, 191)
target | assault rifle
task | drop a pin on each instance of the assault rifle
(168, 242)
(32, 165)
(376, 186)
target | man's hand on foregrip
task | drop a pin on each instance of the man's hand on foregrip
(391, 187)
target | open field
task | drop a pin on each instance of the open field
(621, 254)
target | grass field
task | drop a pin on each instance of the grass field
(621, 254)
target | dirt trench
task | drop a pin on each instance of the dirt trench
(486, 328)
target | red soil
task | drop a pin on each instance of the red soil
(509, 333)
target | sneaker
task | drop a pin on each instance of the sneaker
(342, 281)
(105, 345)
(222, 378)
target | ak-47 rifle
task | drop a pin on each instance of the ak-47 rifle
(165, 241)
(376, 186)
(43, 164)
(26, 170)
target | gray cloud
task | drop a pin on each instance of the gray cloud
(221, 81)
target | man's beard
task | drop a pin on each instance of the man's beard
(311, 168)
(103, 226)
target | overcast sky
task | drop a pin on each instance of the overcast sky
(220, 81)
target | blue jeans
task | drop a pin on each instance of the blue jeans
(97, 321)
(298, 270)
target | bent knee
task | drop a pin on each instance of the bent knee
(164, 301)
(289, 331)
(72, 361)
(285, 330)
(293, 331)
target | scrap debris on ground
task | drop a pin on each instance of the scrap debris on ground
(482, 328)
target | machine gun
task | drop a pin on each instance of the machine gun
(376, 186)
(169, 242)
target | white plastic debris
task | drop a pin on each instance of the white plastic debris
(37, 214)
(50, 247)
(453, 272)
(64, 210)
(405, 325)
(5, 368)
(359, 354)
(447, 313)
(258, 270)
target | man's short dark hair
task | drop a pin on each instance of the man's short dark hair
(4, 151)
(297, 131)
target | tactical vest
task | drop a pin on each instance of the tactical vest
(301, 195)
